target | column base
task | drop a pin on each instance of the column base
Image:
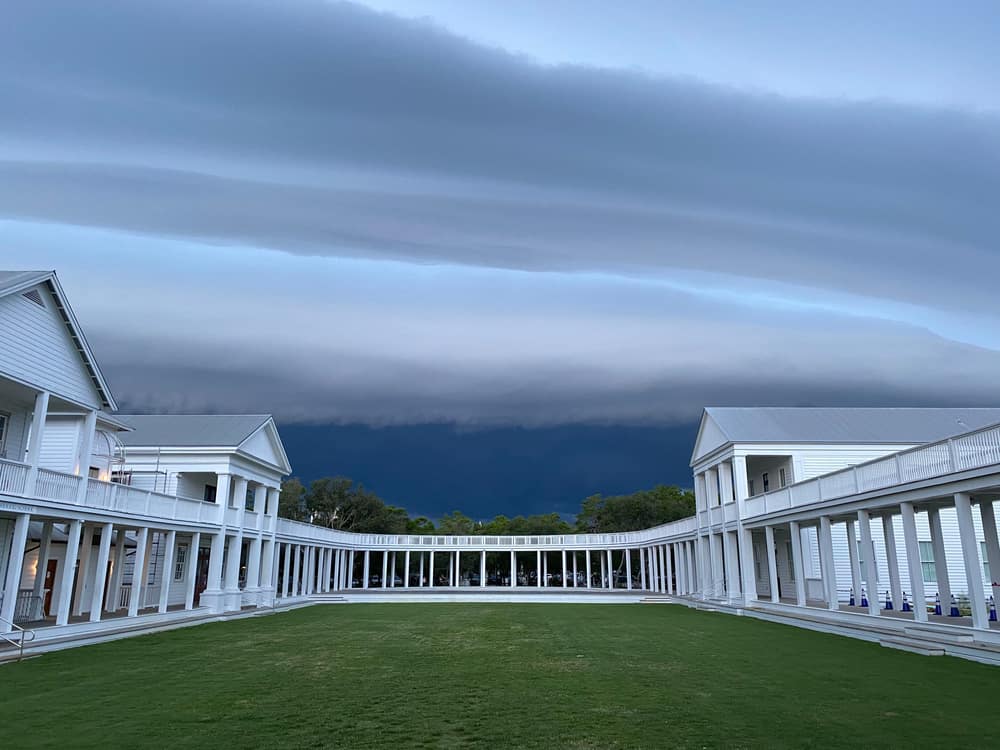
(214, 600)
(233, 600)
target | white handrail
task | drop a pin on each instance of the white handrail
(20, 641)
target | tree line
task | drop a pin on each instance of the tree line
(341, 503)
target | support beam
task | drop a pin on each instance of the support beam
(892, 561)
(988, 515)
(15, 565)
(940, 558)
(970, 556)
(772, 564)
(871, 564)
(852, 553)
(168, 570)
(797, 563)
(913, 561)
(191, 571)
(827, 563)
(138, 568)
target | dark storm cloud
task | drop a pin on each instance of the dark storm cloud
(330, 129)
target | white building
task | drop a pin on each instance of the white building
(114, 524)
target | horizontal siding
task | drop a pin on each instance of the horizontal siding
(39, 350)
(814, 463)
(59, 444)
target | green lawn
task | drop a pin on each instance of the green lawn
(504, 675)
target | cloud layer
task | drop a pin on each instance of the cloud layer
(573, 215)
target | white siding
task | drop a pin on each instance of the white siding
(15, 442)
(59, 444)
(812, 463)
(38, 349)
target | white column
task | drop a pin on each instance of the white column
(82, 573)
(892, 561)
(852, 553)
(85, 448)
(661, 569)
(117, 572)
(430, 569)
(800, 574)
(871, 564)
(628, 569)
(654, 579)
(970, 555)
(101, 573)
(693, 573)
(667, 556)
(940, 559)
(69, 569)
(406, 575)
(168, 570)
(15, 564)
(286, 570)
(681, 572)
(482, 569)
(576, 578)
(385, 567)
(420, 579)
(642, 568)
(913, 561)
(296, 567)
(44, 547)
(772, 564)
(213, 588)
(538, 568)
(718, 568)
(191, 572)
(587, 573)
(564, 572)
(987, 513)
(729, 548)
(35, 440)
(513, 569)
(611, 571)
(138, 567)
(366, 568)
(826, 560)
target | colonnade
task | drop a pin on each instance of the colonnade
(905, 589)
(108, 565)
(310, 568)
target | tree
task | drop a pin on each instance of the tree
(291, 501)
(419, 525)
(640, 510)
(456, 523)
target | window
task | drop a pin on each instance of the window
(179, 561)
(767, 484)
(781, 477)
(927, 562)
(4, 420)
(752, 491)
(249, 501)
(986, 561)
(121, 477)
(94, 472)
(209, 493)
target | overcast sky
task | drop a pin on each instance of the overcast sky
(512, 213)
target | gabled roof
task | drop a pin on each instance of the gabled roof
(905, 425)
(12, 282)
(230, 431)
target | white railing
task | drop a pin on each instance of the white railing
(57, 485)
(124, 595)
(974, 450)
(13, 476)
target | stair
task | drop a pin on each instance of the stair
(913, 645)
(955, 639)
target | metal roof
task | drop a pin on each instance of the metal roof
(190, 430)
(847, 425)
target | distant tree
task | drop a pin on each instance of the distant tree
(456, 523)
(341, 503)
(419, 525)
(640, 510)
(291, 501)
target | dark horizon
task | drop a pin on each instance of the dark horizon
(433, 469)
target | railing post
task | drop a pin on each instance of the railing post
(899, 469)
(953, 454)
(857, 482)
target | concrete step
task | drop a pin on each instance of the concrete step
(940, 636)
(913, 645)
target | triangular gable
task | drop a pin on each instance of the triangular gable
(55, 355)
(265, 445)
(710, 437)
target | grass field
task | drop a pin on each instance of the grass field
(505, 675)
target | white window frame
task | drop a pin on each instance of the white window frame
(180, 562)
(927, 566)
(781, 477)
(4, 429)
